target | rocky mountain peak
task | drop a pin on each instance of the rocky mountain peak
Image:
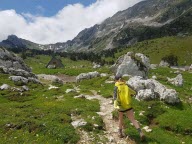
(13, 42)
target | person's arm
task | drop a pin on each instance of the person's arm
(115, 93)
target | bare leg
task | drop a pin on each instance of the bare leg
(130, 115)
(120, 124)
(120, 120)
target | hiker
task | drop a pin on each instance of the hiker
(122, 102)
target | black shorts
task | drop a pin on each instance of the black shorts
(126, 110)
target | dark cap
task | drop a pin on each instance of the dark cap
(117, 77)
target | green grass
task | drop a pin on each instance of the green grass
(156, 49)
(38, 65)
(37, 116)
(98, 84)
(72, 68)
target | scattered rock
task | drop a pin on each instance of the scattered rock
(96, 65)
(70, 90)
(52, 87)
(141, 113)
(109, 82)
(25, 88)
(59, 98)
(153, 66)
(4, 87)
(177, 81)
(190, 68)
(89, 75)
(177, 72)
(112, 77)
(147, 129)
(17, 89)
(103, 74)
(78, 123)
(164, 64)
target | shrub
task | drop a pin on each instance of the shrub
(171, 59)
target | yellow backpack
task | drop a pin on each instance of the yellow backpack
(123, 101)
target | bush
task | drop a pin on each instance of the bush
(171, 59)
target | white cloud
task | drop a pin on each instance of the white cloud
(65, 25)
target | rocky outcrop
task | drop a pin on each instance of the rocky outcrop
(88, 75)
(132, 64)
(9, 60)
(14, 65)
(177, 81)
(152, 89)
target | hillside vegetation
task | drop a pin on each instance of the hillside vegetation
(158, 48)
(44, 116)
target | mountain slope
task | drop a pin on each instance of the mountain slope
(14, 42)
(146, 20)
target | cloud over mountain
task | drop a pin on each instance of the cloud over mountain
(65, 25)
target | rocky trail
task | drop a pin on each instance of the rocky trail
(111, 125)
(106, 109)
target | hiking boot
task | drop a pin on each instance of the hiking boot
(120, 134)
(142, 136)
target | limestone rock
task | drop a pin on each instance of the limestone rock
(4, 87)
(78, 122)
(146, 94)
(151, 89)
(19, 79)
(25, 88)
(177, 81)
(70, 90)
(153, 66)
(88, 75)
(132, 64)
(164, 64)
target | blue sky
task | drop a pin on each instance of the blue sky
(40, 7)
(52, 21)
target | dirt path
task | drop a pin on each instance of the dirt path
(66, 78)
(106, 108)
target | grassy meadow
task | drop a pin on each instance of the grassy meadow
(156, 49)
(43, 116)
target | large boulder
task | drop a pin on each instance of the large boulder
(151, 89)
(10, 60)
(14, 65)
(132, 64)
(88, 75)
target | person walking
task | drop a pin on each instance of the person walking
(123, 103)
